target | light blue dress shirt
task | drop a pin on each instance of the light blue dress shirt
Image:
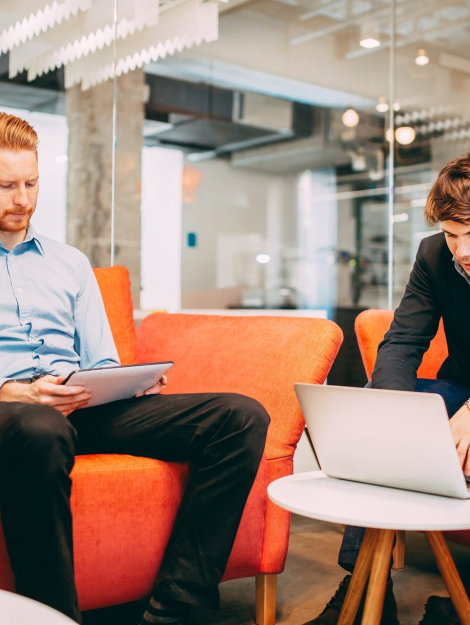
(52, 317)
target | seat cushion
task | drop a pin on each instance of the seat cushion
(123, 511)
(115, 289)
(124, 508)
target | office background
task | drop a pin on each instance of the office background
(256, 170)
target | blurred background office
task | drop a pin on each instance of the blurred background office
(271, 154)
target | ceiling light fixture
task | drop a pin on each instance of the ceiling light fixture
(382, 106)
(405, 135)
(422, 59)
(369, 37)
(263, 259)
(370, 43)
(400, 217)
(350, 118)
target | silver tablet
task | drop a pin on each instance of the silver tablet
(112, 383)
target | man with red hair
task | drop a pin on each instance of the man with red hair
(52, 321)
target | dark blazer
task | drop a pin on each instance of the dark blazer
(435, 290)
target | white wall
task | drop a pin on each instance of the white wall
(51, 212)
(161, 210)
(318, 236)
(234, 212)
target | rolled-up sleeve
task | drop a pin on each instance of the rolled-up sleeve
(94, 341)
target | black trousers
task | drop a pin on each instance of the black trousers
(221, 435)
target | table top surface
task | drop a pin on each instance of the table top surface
(18, 610)
(315, 495)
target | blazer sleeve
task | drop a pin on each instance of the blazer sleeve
(414, 325)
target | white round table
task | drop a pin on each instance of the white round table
(18, 610)
(383, 511)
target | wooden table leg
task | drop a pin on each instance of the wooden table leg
(399, 551)
(378, 578)
(359, 578)
(450, 575)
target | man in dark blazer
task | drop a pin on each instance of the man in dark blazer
(439, 286)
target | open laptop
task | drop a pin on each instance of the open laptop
(390, 438)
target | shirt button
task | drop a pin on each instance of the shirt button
(20, 290)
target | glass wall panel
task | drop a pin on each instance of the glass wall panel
(253, 172)
(285, 156)
(73, 125)
(433, 91)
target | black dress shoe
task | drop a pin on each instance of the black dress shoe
(439, 611)
(159, 613)
(330, 614)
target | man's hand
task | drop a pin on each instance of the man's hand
(460, 428)
(156, 388)
(47, 391)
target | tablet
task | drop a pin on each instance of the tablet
(112, 383)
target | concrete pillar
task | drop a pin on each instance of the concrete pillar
(89, 116)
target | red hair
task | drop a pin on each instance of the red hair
(16, 134)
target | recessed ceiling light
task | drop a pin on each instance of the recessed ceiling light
(263, 259)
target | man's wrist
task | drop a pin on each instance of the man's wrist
(12, 391)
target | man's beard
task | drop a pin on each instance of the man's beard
(8, 225)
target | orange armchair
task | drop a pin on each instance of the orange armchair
(371, 326)
(120, 534)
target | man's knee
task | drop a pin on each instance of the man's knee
(249, 419)
(41, 434)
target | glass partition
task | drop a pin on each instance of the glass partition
(254, 171)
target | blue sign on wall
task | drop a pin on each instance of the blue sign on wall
(192, 239)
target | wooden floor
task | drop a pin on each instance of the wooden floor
(310, 578)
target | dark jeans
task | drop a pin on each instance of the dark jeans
(221, 435)
(454, 395)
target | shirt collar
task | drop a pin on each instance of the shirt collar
(32, 235)
(461, 270)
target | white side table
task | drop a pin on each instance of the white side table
(18, 610)
(383, 511)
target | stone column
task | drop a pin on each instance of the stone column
(89, 115)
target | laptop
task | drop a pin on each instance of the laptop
(389, 438)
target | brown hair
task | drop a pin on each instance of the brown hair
(16, 134)
(449, 198)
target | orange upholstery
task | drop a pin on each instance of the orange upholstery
(258, 356)
(115, 288)
(120, 532)
(371, 326)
